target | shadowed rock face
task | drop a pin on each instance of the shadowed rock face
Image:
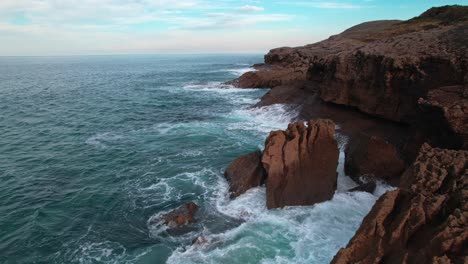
(244, 173)
(373, 157)
(424, 221)
(301, 164)
(447, 107)
(181, 216)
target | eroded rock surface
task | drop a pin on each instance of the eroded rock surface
(424, 221)
(244, 173)
(301, 164)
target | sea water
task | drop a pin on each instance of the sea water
(94, 149)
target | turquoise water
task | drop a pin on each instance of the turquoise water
(94, 149)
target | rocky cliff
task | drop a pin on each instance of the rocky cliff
(381, 68)
(400, 84)
(424, 221)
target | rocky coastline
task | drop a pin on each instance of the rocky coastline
(398, 92)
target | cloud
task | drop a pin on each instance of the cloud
(323, 4)
(249, 8)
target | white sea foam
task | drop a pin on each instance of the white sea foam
(218, 87)
(239, 72)
(102, 252)
(101, 140)
(263, 119)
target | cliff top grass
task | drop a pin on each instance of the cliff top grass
(436, 17)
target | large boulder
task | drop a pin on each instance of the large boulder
(424, 221)
(181, 216)
(301, 164)
(372, 157)
(244, 173)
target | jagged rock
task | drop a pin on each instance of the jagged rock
(372, 157)
(424, 221)
(244, 173)
(365, 187)
(181, 216)
(301, 164)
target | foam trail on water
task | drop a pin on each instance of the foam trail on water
(100, 140)
(239, 72)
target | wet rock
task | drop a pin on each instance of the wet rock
(301, 164)
(374, 158)
(244, 173)
(424, 221)
(181, 216)
(365, 187)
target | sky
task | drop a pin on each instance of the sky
(94, 27)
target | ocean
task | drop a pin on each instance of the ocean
(94, 149)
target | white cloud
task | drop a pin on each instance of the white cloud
(114, 26)
(323, 4)
(229, 21)
(249, 8)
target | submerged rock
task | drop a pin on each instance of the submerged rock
(181, 216)
(244, 173)
(425, 221)
(373, 157)
(365, 187)
(301, 164)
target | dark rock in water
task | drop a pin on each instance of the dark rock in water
(373, 157)
(424, 221)
(301, 164)
(244, 173)
(365, 187)
(181, 216)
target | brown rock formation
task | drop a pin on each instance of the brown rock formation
(181, 216)
(425, 221)
(373, 157)
(244, 173)
(301, 164)
(268, 77)
(381, 68)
